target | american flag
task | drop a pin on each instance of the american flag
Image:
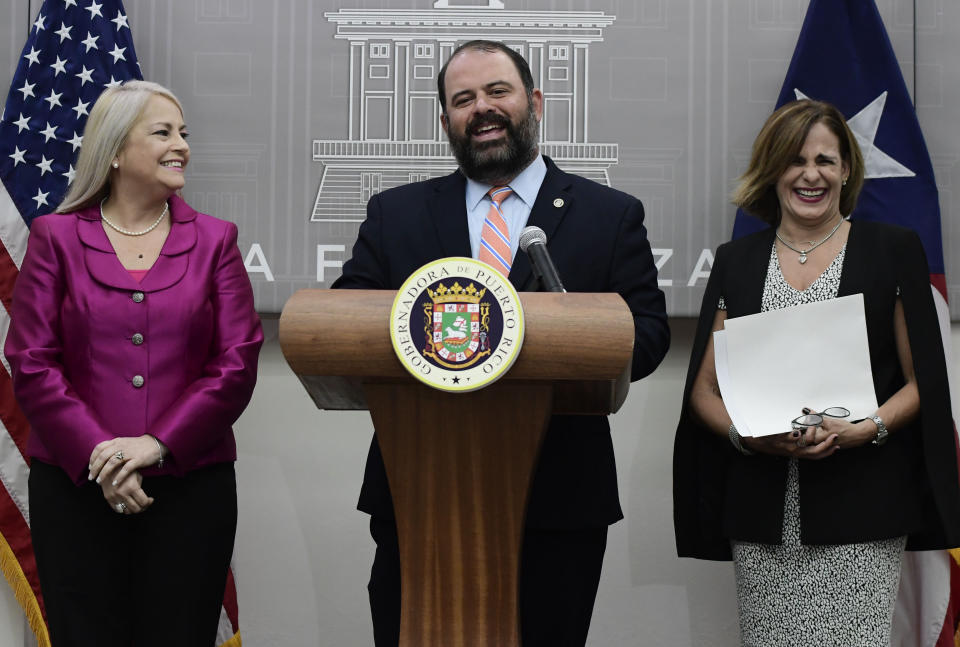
(74, 49)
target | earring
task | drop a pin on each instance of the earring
(844, 179)
(117, 165)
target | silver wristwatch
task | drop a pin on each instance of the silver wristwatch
(882, 433)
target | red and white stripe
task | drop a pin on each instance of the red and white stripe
(16, 552)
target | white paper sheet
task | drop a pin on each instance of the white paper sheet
(723, 381)
(772, 364)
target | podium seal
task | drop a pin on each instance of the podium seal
(457, 324)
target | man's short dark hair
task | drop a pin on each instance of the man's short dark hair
(491, 46)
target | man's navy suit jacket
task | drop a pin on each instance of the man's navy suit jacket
(599, 244)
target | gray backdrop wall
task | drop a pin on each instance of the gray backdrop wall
(300, 109)
(262, 82)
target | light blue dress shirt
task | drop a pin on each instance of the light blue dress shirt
(516, 208)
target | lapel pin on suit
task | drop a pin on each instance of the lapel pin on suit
(558, 202)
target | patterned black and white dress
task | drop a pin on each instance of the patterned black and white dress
(825, 595)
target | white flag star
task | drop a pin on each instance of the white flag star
(27, 89)
(59, 67)
(17, 156)
(53, 99)
(81, 108)
(50, 132)
(94, 9)
(33, 56)
(117, 53)
(40, 198)
(76, 141)
(70, 173)
(44, 165)
(71, 3)
(90, 41)
(120, 21)
(112, 83)
(85, 76)
(64, 32)
(23, 123)
(864, 126)
(39, 23)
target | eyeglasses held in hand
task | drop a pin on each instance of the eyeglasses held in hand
(816, 419)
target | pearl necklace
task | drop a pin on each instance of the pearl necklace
(803, 253)
(127, 232)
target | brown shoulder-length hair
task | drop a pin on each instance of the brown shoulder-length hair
(778, 144)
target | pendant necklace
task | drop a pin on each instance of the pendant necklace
(803, 252)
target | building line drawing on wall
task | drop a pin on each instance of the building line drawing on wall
(394, 135)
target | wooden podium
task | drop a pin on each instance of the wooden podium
(460, 464)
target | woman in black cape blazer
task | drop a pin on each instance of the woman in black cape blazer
(909, 486)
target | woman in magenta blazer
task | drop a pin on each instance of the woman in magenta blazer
(133, 348)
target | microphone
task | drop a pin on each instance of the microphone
(534, 242)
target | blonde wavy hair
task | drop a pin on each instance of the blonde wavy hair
(778, 144)
(108, 126)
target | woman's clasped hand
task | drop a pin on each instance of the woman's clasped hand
(817, 441)
(115, 464)
(811, 443)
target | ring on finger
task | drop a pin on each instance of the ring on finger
(121, 507)
(119, 455)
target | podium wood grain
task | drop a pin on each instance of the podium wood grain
(460, 464)
(459, 469)
(581, 343)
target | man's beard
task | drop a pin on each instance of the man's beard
(498, 161)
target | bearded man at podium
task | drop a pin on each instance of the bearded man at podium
(491, 114)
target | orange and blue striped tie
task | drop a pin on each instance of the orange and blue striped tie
(495, 236)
